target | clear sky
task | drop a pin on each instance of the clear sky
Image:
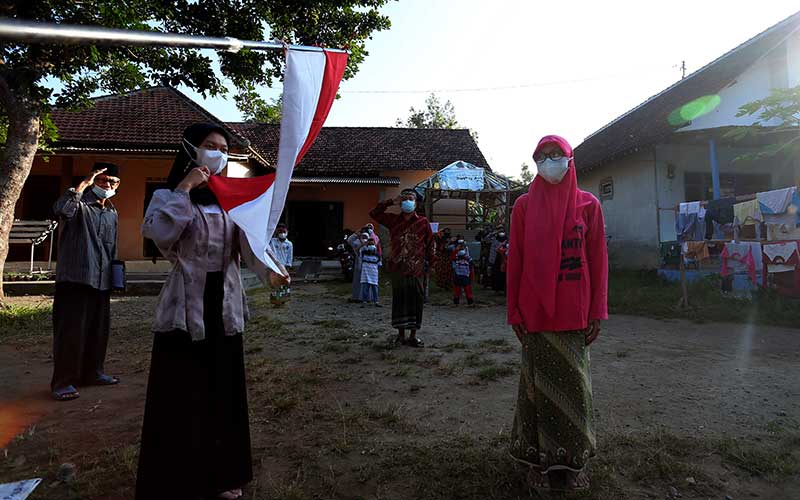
(575, 65)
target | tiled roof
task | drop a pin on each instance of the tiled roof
(648, 124)
(148, 119)
(366, 151)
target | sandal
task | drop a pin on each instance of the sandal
(577, 481)
(67, 393)
(230, 494)
(415, 342)
(106, 380)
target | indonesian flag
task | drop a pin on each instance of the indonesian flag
(255, 204)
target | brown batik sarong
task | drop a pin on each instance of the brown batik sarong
(553, 425)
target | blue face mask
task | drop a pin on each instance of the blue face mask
(408, 206)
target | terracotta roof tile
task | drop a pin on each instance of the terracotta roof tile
(370, 150)
(148, 118)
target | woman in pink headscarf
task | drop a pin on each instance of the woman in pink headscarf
(557, 295)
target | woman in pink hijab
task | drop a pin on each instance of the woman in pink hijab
(557, 295)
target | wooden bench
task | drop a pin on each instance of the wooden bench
(33, 233)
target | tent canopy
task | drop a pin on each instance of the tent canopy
(462, 180)
(488, 196)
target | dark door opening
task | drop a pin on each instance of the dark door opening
(39, 194)
(314, 226)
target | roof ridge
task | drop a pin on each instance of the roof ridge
(694, 74)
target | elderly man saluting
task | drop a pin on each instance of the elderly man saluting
(411, 251)
(82, 301)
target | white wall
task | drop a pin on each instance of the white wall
(631, 215)
(779, 69)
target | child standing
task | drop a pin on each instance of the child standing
(462, 276)
(370, 262)
(284, 251)
(502, 261)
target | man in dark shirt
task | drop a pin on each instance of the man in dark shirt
(82, 301)
(410, 258)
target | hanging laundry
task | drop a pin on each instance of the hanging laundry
(776, 201)
(782, 253)
(747, 213)
(690, 207)
(782, 226)
(696, 250)
(721, 210)
(741, 257)
(690, 222)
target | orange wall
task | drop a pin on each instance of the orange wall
(134, 172)
(358, 200)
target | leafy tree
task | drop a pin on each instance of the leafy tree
(256, 109)
(526, 175)
(435, 115)
(782, 107)
(81, 71)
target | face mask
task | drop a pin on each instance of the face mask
(371, 248)
(282, 236)
(462, 254)
(370, 230)
(215, 160)
(501, 235)
(408, 206)
(553, 171)
(103, 194)
(460, 242)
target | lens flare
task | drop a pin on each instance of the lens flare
(693, 110)
(16, 416)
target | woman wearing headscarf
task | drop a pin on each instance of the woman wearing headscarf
(195, 434)
(557, 294)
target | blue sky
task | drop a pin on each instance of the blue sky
(575, 67)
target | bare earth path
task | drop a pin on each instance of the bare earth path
(338, 412)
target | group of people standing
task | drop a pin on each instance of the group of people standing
(195, 433)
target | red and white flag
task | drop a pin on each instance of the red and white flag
(255, 204)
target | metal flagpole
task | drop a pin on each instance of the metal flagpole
(34, 32)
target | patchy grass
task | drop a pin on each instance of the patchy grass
(495, 345)
(646, 294)
(453, 346)
(491, 373)
(25, 320)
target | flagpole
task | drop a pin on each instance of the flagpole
(35, 32)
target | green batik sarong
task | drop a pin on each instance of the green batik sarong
(553, 424)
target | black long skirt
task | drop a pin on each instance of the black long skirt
(196, 432)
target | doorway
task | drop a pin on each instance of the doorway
(314, 226)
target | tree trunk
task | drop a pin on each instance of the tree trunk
(22, 141)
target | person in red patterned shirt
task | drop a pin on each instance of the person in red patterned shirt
(412, 254)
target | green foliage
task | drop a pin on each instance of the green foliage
(526, 175)
(434, 115)
(783, 107)
(79, 71)
(254, 108)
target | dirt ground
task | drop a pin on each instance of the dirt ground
(683, 410)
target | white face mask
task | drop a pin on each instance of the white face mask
(282, 236)
(553, 171)
(214, 159)
(103, 194)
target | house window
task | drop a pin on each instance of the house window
(698, 185)
(606, 189)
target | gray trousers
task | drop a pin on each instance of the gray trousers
(81, 322)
